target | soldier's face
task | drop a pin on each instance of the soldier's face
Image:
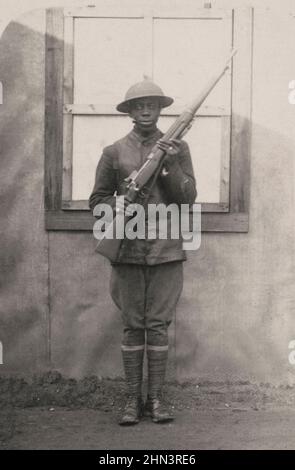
(145, 112)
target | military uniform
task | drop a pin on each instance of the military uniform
(147, 279)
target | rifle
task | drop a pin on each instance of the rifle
(109, 245)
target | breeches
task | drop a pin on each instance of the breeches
(147, 297)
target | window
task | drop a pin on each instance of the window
(93, 54)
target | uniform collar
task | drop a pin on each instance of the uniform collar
(154, 136)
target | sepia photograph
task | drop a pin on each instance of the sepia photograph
(147, 235)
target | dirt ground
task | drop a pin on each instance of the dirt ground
(53, 412)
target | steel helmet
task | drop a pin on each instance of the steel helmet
(144, 89)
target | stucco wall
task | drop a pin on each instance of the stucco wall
(24, 243)
(235, 318)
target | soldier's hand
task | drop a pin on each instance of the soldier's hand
(122, 204)
(171, 147)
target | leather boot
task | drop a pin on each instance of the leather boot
(133, 362)
(155, 405)
(132, 412)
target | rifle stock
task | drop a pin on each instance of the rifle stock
(109, 244)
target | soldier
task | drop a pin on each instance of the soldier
(147, 280)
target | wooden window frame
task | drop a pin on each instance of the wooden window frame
(61, 213)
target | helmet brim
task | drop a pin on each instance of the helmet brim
(124, 107)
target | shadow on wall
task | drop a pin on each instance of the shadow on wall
(23, 253)
(235, 317)
(20, 112)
